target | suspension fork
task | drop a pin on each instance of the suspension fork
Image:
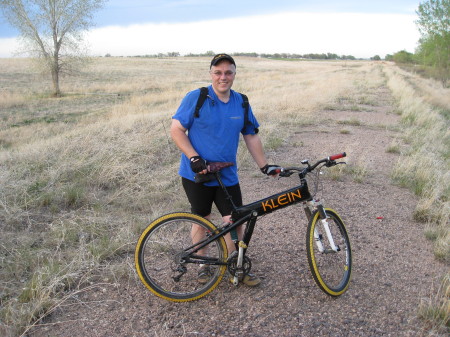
(324, 221)
(309, 208)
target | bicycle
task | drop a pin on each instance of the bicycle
(168, 257)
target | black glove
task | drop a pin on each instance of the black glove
(270, 170)
(198, 164)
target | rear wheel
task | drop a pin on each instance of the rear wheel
(331, 268)
(167, 263)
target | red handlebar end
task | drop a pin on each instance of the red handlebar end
(337, 156)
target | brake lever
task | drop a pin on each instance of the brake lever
(284, 173)
(332, 163)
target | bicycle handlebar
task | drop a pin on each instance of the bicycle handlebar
(329, 161)
(214, 167)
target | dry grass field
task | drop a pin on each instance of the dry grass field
(81, 176)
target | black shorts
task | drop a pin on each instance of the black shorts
(202, 197)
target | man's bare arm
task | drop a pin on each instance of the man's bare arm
(255, 148)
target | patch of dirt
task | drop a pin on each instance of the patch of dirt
(393, 264)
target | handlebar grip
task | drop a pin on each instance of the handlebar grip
(337, 156)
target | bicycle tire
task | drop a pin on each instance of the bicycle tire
(157, 258)
(331, 270)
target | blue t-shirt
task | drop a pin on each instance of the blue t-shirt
(215, 133)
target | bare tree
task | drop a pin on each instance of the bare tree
(52, 30)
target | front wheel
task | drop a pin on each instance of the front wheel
(168, 258)
(329, 253)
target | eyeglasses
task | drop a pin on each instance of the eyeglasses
(217, 73)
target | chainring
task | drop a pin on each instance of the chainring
(232, 264)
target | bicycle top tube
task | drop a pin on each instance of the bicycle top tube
(274, 202)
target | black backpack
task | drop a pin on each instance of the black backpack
(204, 95)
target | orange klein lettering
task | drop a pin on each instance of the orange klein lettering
(266, 204)
(298, 195)
(282, 200)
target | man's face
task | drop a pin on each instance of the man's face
(222, 76)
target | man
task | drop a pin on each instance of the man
(213, 136)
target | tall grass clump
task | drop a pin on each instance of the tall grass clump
(425, 168)
(435, 310)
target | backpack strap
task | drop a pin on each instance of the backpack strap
(245, 105)
(200, 101)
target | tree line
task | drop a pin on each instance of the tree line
(433, 51)
(311, 56)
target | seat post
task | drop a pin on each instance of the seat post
(227, 195)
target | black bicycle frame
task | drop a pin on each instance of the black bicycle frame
(250, 212)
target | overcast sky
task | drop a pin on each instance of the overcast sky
(138, 27)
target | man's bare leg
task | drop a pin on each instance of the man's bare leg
(230, 244)
(198, 234)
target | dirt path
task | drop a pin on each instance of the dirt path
(394, 266)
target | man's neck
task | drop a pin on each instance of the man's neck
(224, 97)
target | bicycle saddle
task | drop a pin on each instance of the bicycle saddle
(214, 167)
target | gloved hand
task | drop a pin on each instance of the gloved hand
(198, 164)
(270, 170)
